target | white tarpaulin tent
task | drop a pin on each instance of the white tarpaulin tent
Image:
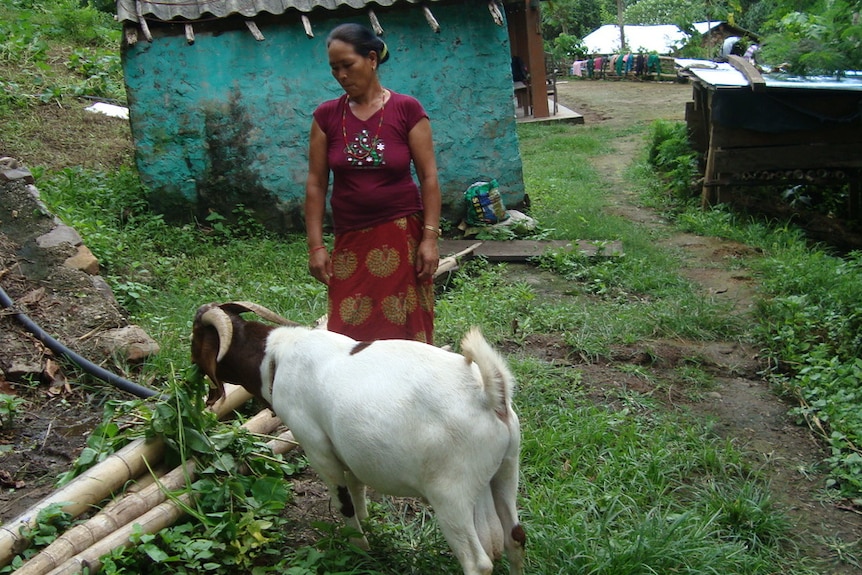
(661, 39)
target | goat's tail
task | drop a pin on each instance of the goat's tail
(497, 380)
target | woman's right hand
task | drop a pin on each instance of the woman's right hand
(320, 265)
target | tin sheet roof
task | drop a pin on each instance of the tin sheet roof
(182, 10)
(723, 75)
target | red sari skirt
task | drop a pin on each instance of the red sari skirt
(374, 291)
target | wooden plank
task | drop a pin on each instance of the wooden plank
(751, 73)
(785, 158)
(849, 135)
(818, 177)
(521, 250)
(709, 194)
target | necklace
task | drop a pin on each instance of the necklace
(364, 151)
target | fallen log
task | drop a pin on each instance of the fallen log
(98, 482)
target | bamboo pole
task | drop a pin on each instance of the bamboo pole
(375, 23)
(95, 484)
(496, 14)
(255, 31)
(152, 521)
(126, 509)
(162, 516)
(142, 21)
(450, 263)
(306, 23)
(432, 21)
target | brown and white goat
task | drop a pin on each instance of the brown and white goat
(402, 417)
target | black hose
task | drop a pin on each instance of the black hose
(84, 364)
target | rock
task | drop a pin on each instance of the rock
(84, 260)
(17, 174)
(22, 369)
(7, 163)
(104, 289)
(130, 342)
(59, 235)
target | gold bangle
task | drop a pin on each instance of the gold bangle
(437, 231)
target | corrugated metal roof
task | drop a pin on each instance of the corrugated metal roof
(723, 75)
(181, 10)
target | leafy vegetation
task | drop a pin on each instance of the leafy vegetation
(823, 37)
(10, 408)
(29, 53)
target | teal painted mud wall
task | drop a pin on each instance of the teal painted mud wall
(225, 121)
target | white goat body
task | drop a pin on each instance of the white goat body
(403, 417)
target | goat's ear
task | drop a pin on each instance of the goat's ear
(216, 392)
(207, 366)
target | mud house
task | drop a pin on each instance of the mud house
(221, 95)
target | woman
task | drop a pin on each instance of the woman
(381, 270)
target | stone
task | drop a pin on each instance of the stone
(104, 289)
(7, 163)
(130, 342)
(59, 235)
(17, 174)
(84, 260)
(23, 369)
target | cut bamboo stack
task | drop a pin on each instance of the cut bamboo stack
(148, 506)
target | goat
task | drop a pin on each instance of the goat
(402, 417)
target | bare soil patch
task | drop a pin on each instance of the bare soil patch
(53, 425)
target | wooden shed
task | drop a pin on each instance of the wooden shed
(756, 129)
(221, 94)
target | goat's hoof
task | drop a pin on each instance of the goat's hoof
(360, 542)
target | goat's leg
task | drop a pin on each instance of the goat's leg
(488, 524)
(357, 494)
(335, 475)
(504, 488)
(455, 516)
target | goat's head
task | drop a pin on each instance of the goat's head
(227, 348)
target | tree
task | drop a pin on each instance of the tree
(572, 17)
(824, 37)
(684, 14)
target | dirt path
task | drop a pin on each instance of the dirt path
(743, 406)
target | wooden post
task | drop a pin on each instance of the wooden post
(709, 192)
(536, 60)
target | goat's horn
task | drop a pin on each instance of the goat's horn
(263, 312)
(220, 320)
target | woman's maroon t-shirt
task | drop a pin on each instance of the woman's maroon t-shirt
(370, 161)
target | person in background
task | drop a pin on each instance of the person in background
(380, 274)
